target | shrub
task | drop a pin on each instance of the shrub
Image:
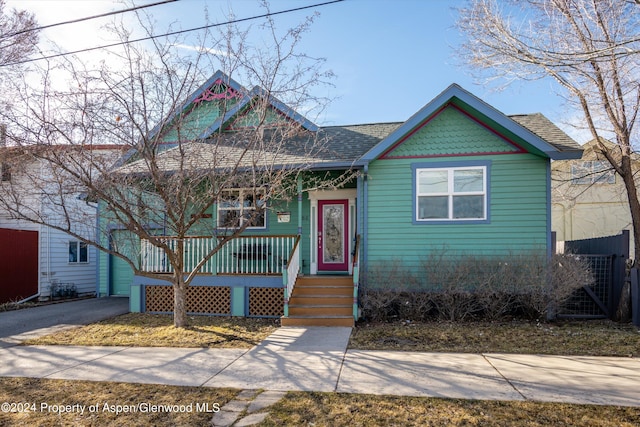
(460, 287)
(395, 293)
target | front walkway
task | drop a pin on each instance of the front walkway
(316, 359)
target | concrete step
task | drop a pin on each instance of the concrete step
(317, 321)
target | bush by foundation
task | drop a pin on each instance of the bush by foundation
(466, 287)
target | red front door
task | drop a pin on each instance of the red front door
(333, 235)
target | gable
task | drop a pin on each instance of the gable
(520, 137)
(206, 109)
(221, 103)
(451, 132)
(253, 115)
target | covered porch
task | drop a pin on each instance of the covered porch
(253, 276)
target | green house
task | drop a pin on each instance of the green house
(457, 174)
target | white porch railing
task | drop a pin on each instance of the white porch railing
(255, 254)
(154, 259)
(290, 274)
(262, 255)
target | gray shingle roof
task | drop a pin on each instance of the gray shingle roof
(332, 145)
(349, 143)
(545, 129)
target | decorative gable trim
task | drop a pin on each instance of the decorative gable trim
(234, 90)
(455, 95)
(511, 146)
(198, 96)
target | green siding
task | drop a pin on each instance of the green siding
(517, 212)
(438, 138)
(121, 274)
(253, 116)
(517, 194)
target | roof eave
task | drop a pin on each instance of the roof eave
(565, 155)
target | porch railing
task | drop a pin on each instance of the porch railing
(290, 274)
(154, 259)
(255, 254)
(259, 255)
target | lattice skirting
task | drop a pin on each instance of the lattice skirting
(200, 299)
(266, 302)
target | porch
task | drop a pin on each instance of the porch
(249, 276)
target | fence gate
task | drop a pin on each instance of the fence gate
(607, 257)
(593, 301)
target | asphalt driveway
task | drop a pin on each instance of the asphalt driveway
(18, 325)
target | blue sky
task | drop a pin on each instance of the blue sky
(390, 57)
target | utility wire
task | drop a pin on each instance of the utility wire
(131, 9)
(234, 21)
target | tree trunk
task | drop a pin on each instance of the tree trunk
(180, 319)
(634, 204)
(624, 308)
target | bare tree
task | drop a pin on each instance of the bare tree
(590, 47)
(173, 174)
(18, 39)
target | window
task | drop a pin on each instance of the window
(78, 252)
(451, 194)
(592, 172)
(5, 172)
(237, 206)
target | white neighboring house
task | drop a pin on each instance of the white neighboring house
(588, 199)
(65, 265)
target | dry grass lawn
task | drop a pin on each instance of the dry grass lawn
(148, 330)
(45, 398)
(349, 410)
(296, 409)
(586, 338)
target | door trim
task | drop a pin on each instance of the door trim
(341, 264)
(342, 194)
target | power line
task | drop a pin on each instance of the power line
(234, 21)
(131, 9)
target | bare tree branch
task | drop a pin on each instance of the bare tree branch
(590, 47)
(172, 173)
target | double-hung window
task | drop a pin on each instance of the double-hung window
(238, 206)
(451, 194)
(78, 252)
(592, 172)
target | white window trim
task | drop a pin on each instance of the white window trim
(78, 244)
(241, 208)
(450, 193)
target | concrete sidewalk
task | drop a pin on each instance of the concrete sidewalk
(316, 359)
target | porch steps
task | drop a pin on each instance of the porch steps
(321, 301)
